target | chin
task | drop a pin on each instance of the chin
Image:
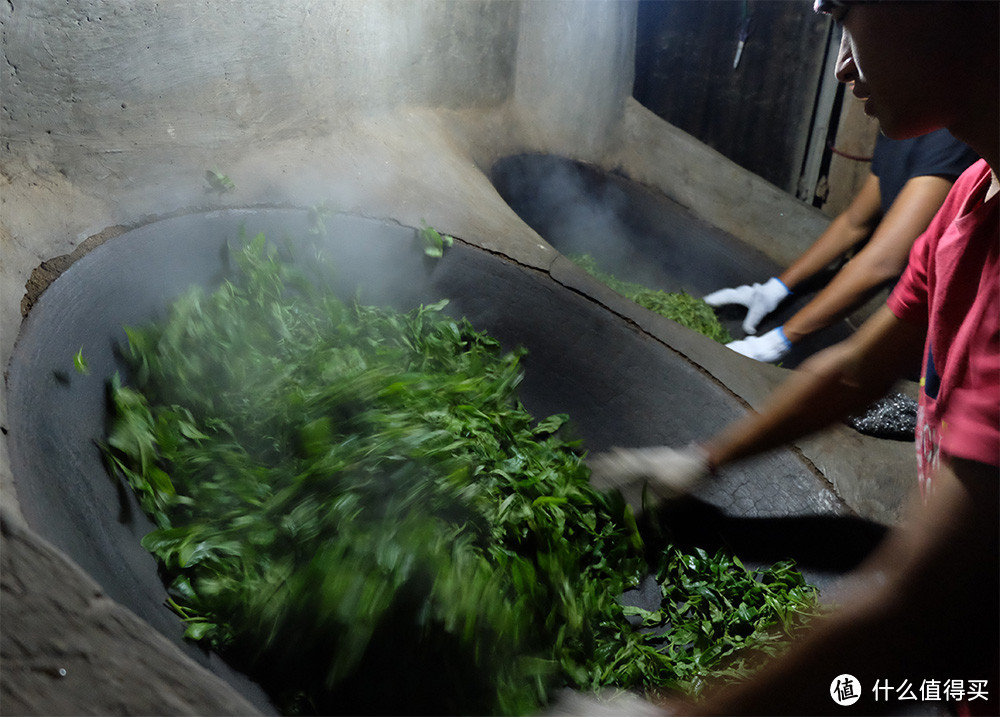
(894, 129)
(897, 121)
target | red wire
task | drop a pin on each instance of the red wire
(846, 155)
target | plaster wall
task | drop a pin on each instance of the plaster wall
(104, 78)
(574, 72)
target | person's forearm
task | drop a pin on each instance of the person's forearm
(850, 227)
(850, 288)
(815, 396)
(883, 259)
(834, 383)
(839, 237)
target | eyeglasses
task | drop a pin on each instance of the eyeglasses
(837, 9)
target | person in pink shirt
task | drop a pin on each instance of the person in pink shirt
(950, 285)
(926, 604)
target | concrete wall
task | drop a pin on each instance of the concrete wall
(109, 77)
(574, 72)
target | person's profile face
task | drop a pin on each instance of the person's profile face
(904, 60)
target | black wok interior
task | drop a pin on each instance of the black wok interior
(641, 235)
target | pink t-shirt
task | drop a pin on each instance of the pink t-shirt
(952, 286)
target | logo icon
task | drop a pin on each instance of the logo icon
(845, 690)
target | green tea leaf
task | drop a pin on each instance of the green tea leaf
(681, 307)
(435, 242)
(80, 363)
(219, 182)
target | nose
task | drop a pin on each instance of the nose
(846, 70)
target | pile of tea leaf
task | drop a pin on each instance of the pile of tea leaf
(679, 306)
(353, 507)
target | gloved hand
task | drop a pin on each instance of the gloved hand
(772, 346)
(570, 703)
(760, 300)
(668, 472)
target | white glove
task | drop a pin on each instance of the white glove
(668, 472)
(760, 300)
(569, 703)
(772, 346)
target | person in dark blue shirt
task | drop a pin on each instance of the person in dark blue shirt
(908, 181)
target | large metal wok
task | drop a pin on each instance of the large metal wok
(618, 384)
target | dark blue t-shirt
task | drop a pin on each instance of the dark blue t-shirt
(897, 161)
